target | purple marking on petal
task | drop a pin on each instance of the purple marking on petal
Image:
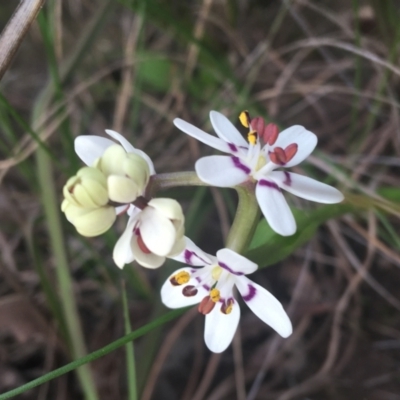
(252, 292)
(288, 180)
(238, 164)
(232, 147)
(188, 254)
(224, 266)
(272, 185)
(206, 287)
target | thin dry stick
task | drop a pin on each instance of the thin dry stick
(276, 342)
(324, 374)
(208, 376)
(15, 31)
(169, 341)
(239, 369)
(198, 33)
(128, 75)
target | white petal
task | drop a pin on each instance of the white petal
(170, 208)
(235, 263)
(158, 232)
(307, 188)
(275, 208)
(89, 148)
(265, 306)
(305, 140)
(130, 149)
(204, 137)
(147, 260)
(193, 255)
(122, 253)
(220, 328)
(226, 130)
(222, 171)
(172, 296)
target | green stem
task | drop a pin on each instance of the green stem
(95, 355)
(51, 208)
(173, 179)
(245, 222)
(130, 353)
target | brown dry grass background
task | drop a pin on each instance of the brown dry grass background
(331, 66)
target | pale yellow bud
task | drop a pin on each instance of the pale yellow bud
(89, 221)
(127, 173)
(88, 188)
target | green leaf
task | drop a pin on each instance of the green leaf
(267, 247)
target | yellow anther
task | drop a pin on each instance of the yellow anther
(244, 118)
(252, 137)
(216, 272)
(182, 277)
(215, 295)
(228, 308)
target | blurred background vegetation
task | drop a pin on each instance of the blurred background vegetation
(132, 66)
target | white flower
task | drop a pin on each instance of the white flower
(212, 287)
(127, 169)
(152, 234)
(250, 161)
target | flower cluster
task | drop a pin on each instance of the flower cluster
(116, 181)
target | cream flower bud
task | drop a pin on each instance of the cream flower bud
(89, 221)
(85, 203)
(88, 188)
(127, 173)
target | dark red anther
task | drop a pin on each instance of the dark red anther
(142, 245)
(257, 124)
(189, 291)
(206, 305)
(278, 156)
(270, 133)
(291, 151)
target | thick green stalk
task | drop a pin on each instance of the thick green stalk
(129, 350)
(245, 222)
(95, 355)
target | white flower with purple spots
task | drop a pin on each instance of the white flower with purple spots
(249, 162)
(210, 281)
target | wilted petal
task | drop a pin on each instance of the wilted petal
(172, 296)
(222, 171)
(130, 149)
(307, 188)
(226, 130)
(275, 208)
(158, 232)
(305, 140)
(220, 328)
(202, 136)
(265, 306)
(235, 263)
(89, 148)
(193, 255)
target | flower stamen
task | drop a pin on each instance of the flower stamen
(206, 306)
(215, 295)
(189, 291)
(180, 278)
(227, 306)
